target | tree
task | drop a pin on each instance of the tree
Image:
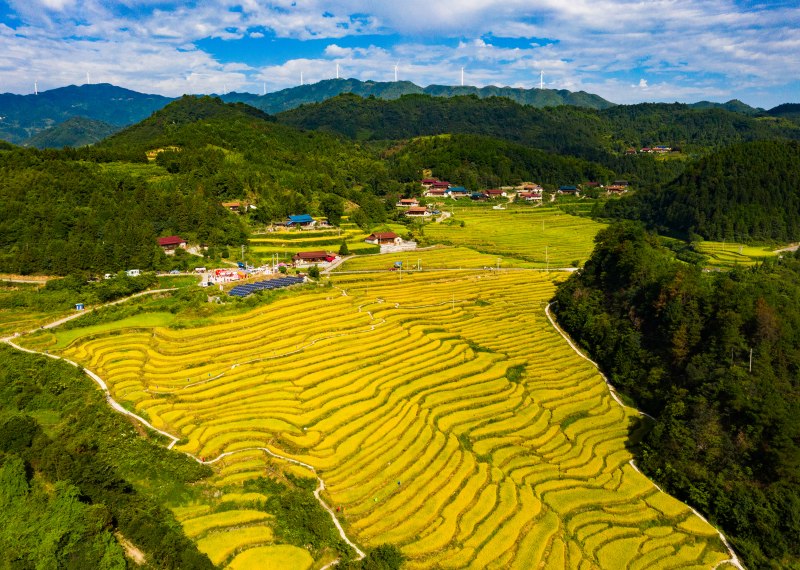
(332, 207)
(313, 272)
(343, 249)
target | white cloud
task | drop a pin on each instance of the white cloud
(683, 47)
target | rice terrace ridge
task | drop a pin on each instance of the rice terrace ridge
(383, 286)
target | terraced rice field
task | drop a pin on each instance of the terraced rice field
(445, 415)
(536, 234)
(732, 254)
(436, 257)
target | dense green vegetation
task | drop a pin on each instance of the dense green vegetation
(586, 133)
(61, 215)
(74, 132)
(744, 192)
(72, 474)
(679, 342)
(483, 162)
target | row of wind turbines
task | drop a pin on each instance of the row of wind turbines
(264, 89)
(396, 76)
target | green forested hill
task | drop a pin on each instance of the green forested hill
(749, 191)
(483, 162)
(587, 133)
(74, 132)
(715, 357)
(101, 208)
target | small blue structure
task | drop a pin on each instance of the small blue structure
(78, 306)
(567, 190)
(300, 220)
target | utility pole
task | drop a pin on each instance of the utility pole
(546, 258)
(242, 252)
(751, 360)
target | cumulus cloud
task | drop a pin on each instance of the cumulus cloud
(683, 47)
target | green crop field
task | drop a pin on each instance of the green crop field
(542, 235)
(444, 412)
(727, 255)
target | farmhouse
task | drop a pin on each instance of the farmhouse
(573, 190)
(301, 221)
(306, 258)
(232, 206)
(170, 243)
(428, 182)
(530, 196)
(417, 211)
(457, 192)
(407, 202)
(496, 193)
(616, 189)
(133, 273)
(435, 192)
(478, 196)
(384, 238)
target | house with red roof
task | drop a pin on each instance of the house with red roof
(407, 202)
(384, 238)
(170, 243)
(308, 258)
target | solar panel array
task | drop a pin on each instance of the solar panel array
(245, 290)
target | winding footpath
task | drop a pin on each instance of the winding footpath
(733, 560)
(173, 440)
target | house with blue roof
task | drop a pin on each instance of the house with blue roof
(457, 192)
(301, 221)
(573, 190)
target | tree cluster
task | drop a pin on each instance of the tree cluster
(715, 357)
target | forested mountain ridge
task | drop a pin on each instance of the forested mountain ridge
(22, 116)
(715, 358)
(483, 162)
(74, 132)
(748, 191)
(292, 97)
(101, 208)
(587, 133)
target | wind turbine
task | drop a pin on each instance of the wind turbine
(541, 79)
(264, 88)
(337, 71)
(301, 78)
(396, 65)
(87, 78)
(35, 87)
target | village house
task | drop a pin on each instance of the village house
(435, 193)
(417, 212)
(301, 221)
(170, 243)
(496, 193)
(530, 196)
(457, 192)
(308, 258)
(621, 183)
(567, 189)
(407, 202)
(428, 182)
(616, 189)
(384, 238)
(232, 206)
(478, 196)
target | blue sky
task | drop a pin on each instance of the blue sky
(626, 51)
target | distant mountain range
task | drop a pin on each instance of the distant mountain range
(292, 97)
(24, 116)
